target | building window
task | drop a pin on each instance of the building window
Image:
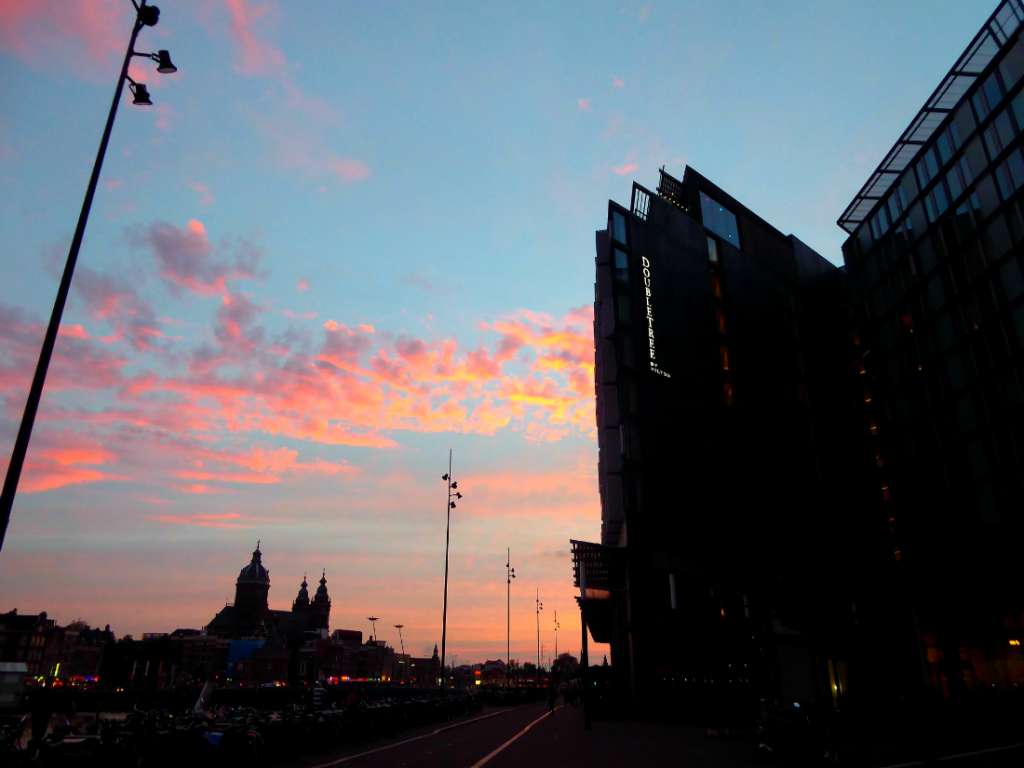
(724, 354)
(720, 317)
(619, 227)
(719, 220)
(712, 250)
(621, 266)
(729, 393)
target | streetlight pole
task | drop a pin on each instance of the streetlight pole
(373, 623)
(402, 643)
(539, 606)
(510, 573)
(453, 493)
(145, 16)
(557, 626)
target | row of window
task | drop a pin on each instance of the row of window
(983, 101)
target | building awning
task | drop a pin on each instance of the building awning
(972, 62)
(597, 572)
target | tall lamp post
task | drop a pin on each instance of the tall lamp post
(373, 623)
(539, 606)
(145, 16)
(402, 643)
(453, 494)
(557, 627)
(510, 573)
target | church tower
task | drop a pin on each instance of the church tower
(251, 592)
(321, 606)
(301, 604)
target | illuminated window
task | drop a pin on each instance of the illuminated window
(724, 352)
(729, 393)
(720, 317)
(716, 286)
(712, 250)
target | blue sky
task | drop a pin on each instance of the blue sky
(344, 240)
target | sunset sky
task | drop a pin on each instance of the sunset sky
(350, 236)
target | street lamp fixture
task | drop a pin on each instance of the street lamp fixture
(373, 623)
(145, 16)
(140, 94)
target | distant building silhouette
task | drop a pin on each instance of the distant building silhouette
(250, 615)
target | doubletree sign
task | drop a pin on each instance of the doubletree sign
(652, 356)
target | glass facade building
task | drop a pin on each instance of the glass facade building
(935, 261)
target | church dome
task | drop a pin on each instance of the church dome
(254, 572)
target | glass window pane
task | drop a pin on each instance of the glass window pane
(712, 250)
(1018, 108)
(980, 106)
(1003, 179)
(619, 227)
(621, 260)
(1004, 127)
(917, 220)
(941, 201)
(988, 198)
(944, 147)
(993, 91)
(1016, 165)
(908, 186)
(1012, 279)
(964, 122)
(992, 142)
(719, 220)
(1012, 65)
(932, 162)
(955, 185)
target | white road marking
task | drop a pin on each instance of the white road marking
(386, 747)
(960, 755)
(487, 758)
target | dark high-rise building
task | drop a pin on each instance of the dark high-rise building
(937, 286)
(722, 353)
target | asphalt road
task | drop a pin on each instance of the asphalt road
(458, 745)
(529, 736)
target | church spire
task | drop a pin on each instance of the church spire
(302, 599)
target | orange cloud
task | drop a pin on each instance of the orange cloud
(625, 169)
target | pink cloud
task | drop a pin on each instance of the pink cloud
(205, 195)
(302, 285)
(618, 82)
(254, 55)
(583, 104)
(62, 459)
(187, 260)
(202, 520)
(347, 169)
(625, 169)
(82, 38)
